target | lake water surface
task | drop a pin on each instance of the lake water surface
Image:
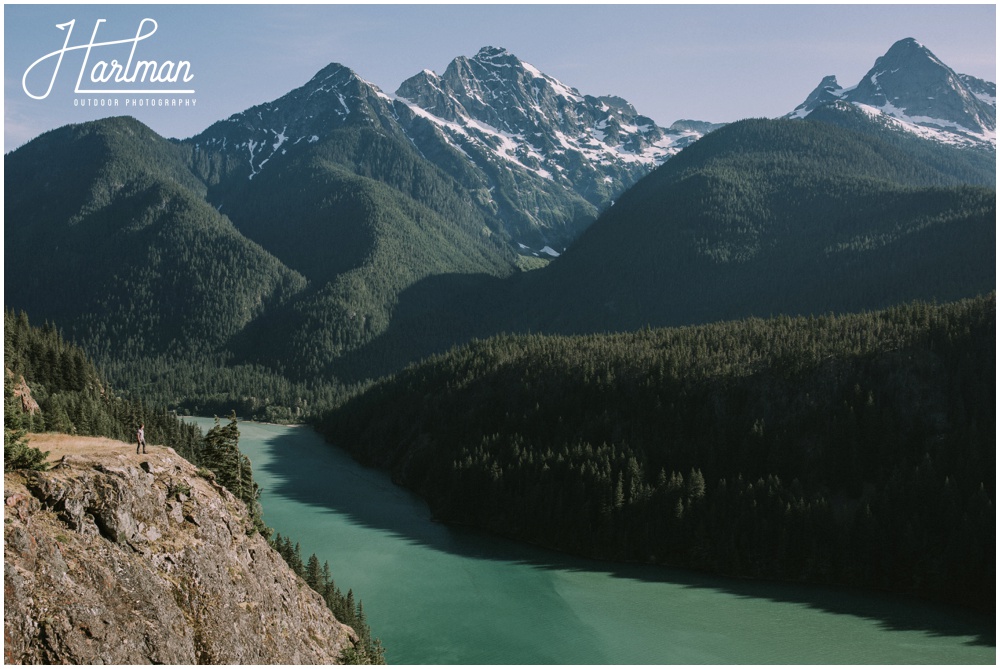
(440, 595)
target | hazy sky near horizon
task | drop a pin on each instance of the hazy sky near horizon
(671, 61)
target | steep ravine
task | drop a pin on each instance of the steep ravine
(116, 558)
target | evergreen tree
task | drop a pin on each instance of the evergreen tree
(313, 573)
(232, 468)
(17, 454)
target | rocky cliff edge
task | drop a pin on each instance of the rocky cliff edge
(116, 558)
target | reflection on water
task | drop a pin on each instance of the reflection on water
(441, 595)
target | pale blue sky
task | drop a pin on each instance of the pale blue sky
(705, 62)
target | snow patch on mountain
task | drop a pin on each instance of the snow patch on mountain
(988, 99)
(280, 138)
(541, 156)
(334, 97)
(509, 109)
(912, 89)
(546, 251)
(938, 130)
(560, 88)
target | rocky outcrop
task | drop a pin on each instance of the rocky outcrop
(117, 558)
(23, 393)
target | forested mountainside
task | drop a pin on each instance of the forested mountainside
(974, 165)
(765, 217)
(347, 278)
(758, 218)
(358, 242)
(108, 234)
(51, 386)
(278, 241)
(144, 272)
(855, 449)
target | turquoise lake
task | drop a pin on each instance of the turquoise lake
(440, 595)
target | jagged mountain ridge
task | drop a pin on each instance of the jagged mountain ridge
(512, 110)
(541, 159)
(334, 98)
(914, 90)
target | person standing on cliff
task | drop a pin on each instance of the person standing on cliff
(141, 439)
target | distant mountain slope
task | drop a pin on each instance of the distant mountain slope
(116, 234)
(344, 121)
(345, 198)
(920, 94)
(975, 165)
(538, 159)
(259, 137)
(762, 217)
(307, 211)
(108, 235)
(765, 217)
(361, 244)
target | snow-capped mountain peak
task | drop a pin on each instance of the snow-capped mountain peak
(498, 106)
(827, 91)
(335, 96)
(914, 88)
(537, 154)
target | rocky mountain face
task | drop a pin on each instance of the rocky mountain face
(539, 158)
(497, 109)
(114, 558)
(920, 94)
(22, 392)
(335, 97)
(984, 90)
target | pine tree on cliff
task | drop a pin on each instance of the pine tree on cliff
(17, 454)
(313, 573)
(232, 468)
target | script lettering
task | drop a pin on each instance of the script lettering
(103, 72)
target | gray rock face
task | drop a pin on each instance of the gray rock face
(538, 157)
(334, 98)
(828, 91)
(592, 145)
(912, 79)
(122, 560)
(533, 137)
(912, 86)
